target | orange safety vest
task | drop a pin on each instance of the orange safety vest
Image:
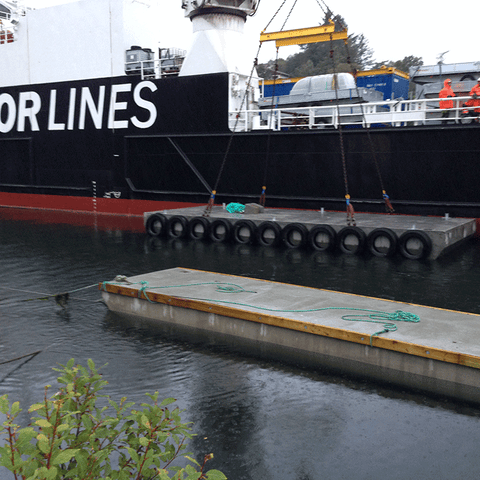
(446, 92)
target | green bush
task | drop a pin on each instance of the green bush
(72, 437)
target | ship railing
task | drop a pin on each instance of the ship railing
(155, 68)
(393, 113)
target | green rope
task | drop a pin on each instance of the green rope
(387, 319)
(371, 316)
(235, 208)
(221, 287)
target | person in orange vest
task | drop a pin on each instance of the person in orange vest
(446, 92)
(475, 102)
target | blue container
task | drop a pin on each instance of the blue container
(391, 82)
(282, 87)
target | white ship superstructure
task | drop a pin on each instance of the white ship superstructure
(89, 41)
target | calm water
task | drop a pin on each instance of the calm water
(262, 419)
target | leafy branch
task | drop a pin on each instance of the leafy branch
(72, 437)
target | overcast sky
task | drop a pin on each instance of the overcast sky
(394, 30)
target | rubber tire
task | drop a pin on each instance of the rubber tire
(419, 235)
(152, 220)
(218, 223)
(239, 226)
(192, 224)
(326, 230)
(293, 228)
(382, 232)
(275, 228)
(177, 220)
(356, 232)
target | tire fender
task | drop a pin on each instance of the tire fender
(192, 228)
(356, 232)
(422, 237)
(276, 233)
(156, 225)
(385, 233)
(244, 225)
(220, 230)
(177, 226)
(295, 229)
(324, 230)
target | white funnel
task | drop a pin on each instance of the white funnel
(218, 43)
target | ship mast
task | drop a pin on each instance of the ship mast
(218, 44)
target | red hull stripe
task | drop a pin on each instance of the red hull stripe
(107, 206)
(103, 206)
(111, 223)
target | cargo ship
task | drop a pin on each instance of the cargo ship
(96, 117)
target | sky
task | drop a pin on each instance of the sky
(393, 30)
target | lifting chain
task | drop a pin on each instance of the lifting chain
(262, 198)
(388, 206)
(350, 210)
(386, 198)
(270, 120)
(211, 202)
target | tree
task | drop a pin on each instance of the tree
(315, 59)
(403, 65)
(269, 69)
(72, 437)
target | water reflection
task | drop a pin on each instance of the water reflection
(263, 417)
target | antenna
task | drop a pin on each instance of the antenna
(440, 57)
(440, 62)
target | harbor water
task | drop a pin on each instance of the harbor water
(261, 417)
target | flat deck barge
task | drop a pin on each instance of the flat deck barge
(413, 237)
(414, 346)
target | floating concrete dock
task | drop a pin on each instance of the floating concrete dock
(413, 346)
(413, 237)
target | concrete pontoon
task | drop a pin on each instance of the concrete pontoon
(425, 348)
(414, 237)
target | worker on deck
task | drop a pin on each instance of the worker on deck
(446, 92)
(475, 102)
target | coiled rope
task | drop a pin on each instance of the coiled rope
(388, 320)
(235, 208)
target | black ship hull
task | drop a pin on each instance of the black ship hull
(126, 146)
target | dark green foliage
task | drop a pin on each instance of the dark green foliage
(403, 65)
(72, 437)
(315, 58)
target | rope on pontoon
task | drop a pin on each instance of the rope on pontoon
(388, 320)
